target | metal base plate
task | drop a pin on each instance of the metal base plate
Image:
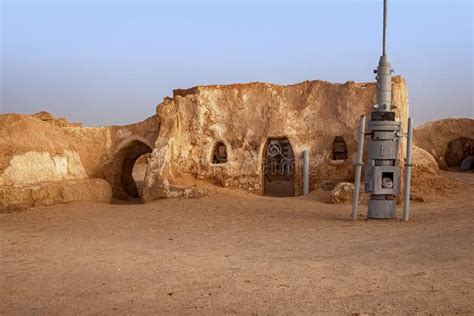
(382, 208)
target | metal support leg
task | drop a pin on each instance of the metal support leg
(406, 196)
(306, 172)
(358, 167)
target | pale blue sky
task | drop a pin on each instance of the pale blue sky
(111, 62)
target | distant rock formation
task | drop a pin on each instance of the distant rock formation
(48, 117)
(449, 140)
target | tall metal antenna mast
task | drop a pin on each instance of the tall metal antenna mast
(382, 169)
(384, 27)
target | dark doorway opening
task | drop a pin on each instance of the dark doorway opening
(125, 185)
(459, 154)
(279, 167)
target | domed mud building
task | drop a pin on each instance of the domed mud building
(252, 136)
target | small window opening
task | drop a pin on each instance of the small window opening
(220, 153)
(387, 180)
(339, 148)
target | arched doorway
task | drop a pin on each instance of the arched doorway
(124, 185)
(278, 168)
(339, 148)
(457, 151)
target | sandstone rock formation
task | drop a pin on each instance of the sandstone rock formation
(343, 193)
(448, 138)
(42, 154)
(35, 151)
(53, 192)
(457, 150)
(48, 117)
(245, 117)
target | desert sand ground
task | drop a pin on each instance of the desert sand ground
(232, 252)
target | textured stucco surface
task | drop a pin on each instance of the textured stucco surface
(42, 152)
(53, 192)
(243, 116)
(47, 152)
(33, 166)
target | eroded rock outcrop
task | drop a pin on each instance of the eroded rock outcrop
(42, 154)
(451, 139)
(343, 193)
(35, 151)
(53, 192)
(48, 117)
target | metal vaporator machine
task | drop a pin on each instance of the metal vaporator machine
(382, 169)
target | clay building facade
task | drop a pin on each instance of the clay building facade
(247, 136)
(252, 136)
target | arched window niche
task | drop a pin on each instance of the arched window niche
(339, 148)
(219, 153)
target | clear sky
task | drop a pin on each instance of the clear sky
(111, 62)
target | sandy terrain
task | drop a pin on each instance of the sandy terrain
(234, 252)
